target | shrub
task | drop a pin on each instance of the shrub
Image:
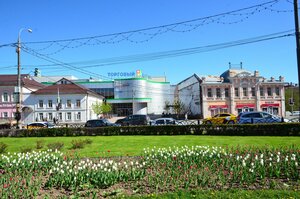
(39, 144)
(25, 149)
(88, 141)
(3, 147)
(55, 145)
(77, 144)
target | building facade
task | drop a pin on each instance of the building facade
(235, 91)
(8, 100)
(63, 101)
(135, 95)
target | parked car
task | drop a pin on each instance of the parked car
(257, 117)
(99, 123)
(137, 119)
(295, 113)
(164, 121)
(39, 125)
(222, 118)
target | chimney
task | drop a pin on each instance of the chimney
(256, 73)
(281, 78)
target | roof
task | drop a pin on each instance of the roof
(26, 81)
(52, 79)
(65, 86)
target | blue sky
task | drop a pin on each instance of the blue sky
(53, 20)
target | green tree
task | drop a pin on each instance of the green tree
(178, 107)
(292, 93)
(101, 108)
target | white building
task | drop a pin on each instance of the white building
(75, 100)
(135, 95)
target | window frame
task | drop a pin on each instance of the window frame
(41, 104)
(209, 92)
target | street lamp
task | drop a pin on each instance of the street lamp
(19, 89)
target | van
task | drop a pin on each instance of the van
(137, 119)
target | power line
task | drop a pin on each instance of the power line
(187, 25)
(66, 65)
(175, 53)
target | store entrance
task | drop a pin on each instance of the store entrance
(122, 109)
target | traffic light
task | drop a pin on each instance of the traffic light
(18, 116)
(291, 101)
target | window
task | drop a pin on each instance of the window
(78, 103)
(253, 91)
(50, 104)
(245, 93)
(78, 116)
(41, 104)
(69, 116)
(269, 91)
(5, 97)
(236, 92)
(69, 104)
(226, 92)
(209, 93)
(261, 91)
(218, 90)
(277, 91)
(41, 116)
(5, 114)
(60, 116)
(50, 116)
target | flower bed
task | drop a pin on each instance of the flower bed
(51, 173)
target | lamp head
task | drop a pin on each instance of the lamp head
(29, 30)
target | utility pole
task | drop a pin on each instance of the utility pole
(18, 91)
(297, 44)
(19, 88)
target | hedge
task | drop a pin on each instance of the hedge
(276, 129)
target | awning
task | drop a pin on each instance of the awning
(245, 105)
(218, 106)
(269, 105)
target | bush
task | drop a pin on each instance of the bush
(88, 141)
(77, 144)
(39, 144)
(55, 146)
(275, 129)
(3, 147)
(26, 149)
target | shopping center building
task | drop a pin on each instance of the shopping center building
(132, 94)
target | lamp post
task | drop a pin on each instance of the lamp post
(19, 89)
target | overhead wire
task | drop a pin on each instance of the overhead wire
(158, 30)
(175, 53)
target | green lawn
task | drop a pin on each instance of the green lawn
(133, 145)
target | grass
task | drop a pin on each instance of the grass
(133, 145)
(230, 194)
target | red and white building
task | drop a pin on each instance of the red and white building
(235, 91)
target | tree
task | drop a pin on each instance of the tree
(101, 108)
(178, 107)
(167, 106)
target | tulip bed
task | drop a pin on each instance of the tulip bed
(52, 174)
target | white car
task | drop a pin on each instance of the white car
(164, 121)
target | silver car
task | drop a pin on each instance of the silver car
(164, 121)
(257, 117)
